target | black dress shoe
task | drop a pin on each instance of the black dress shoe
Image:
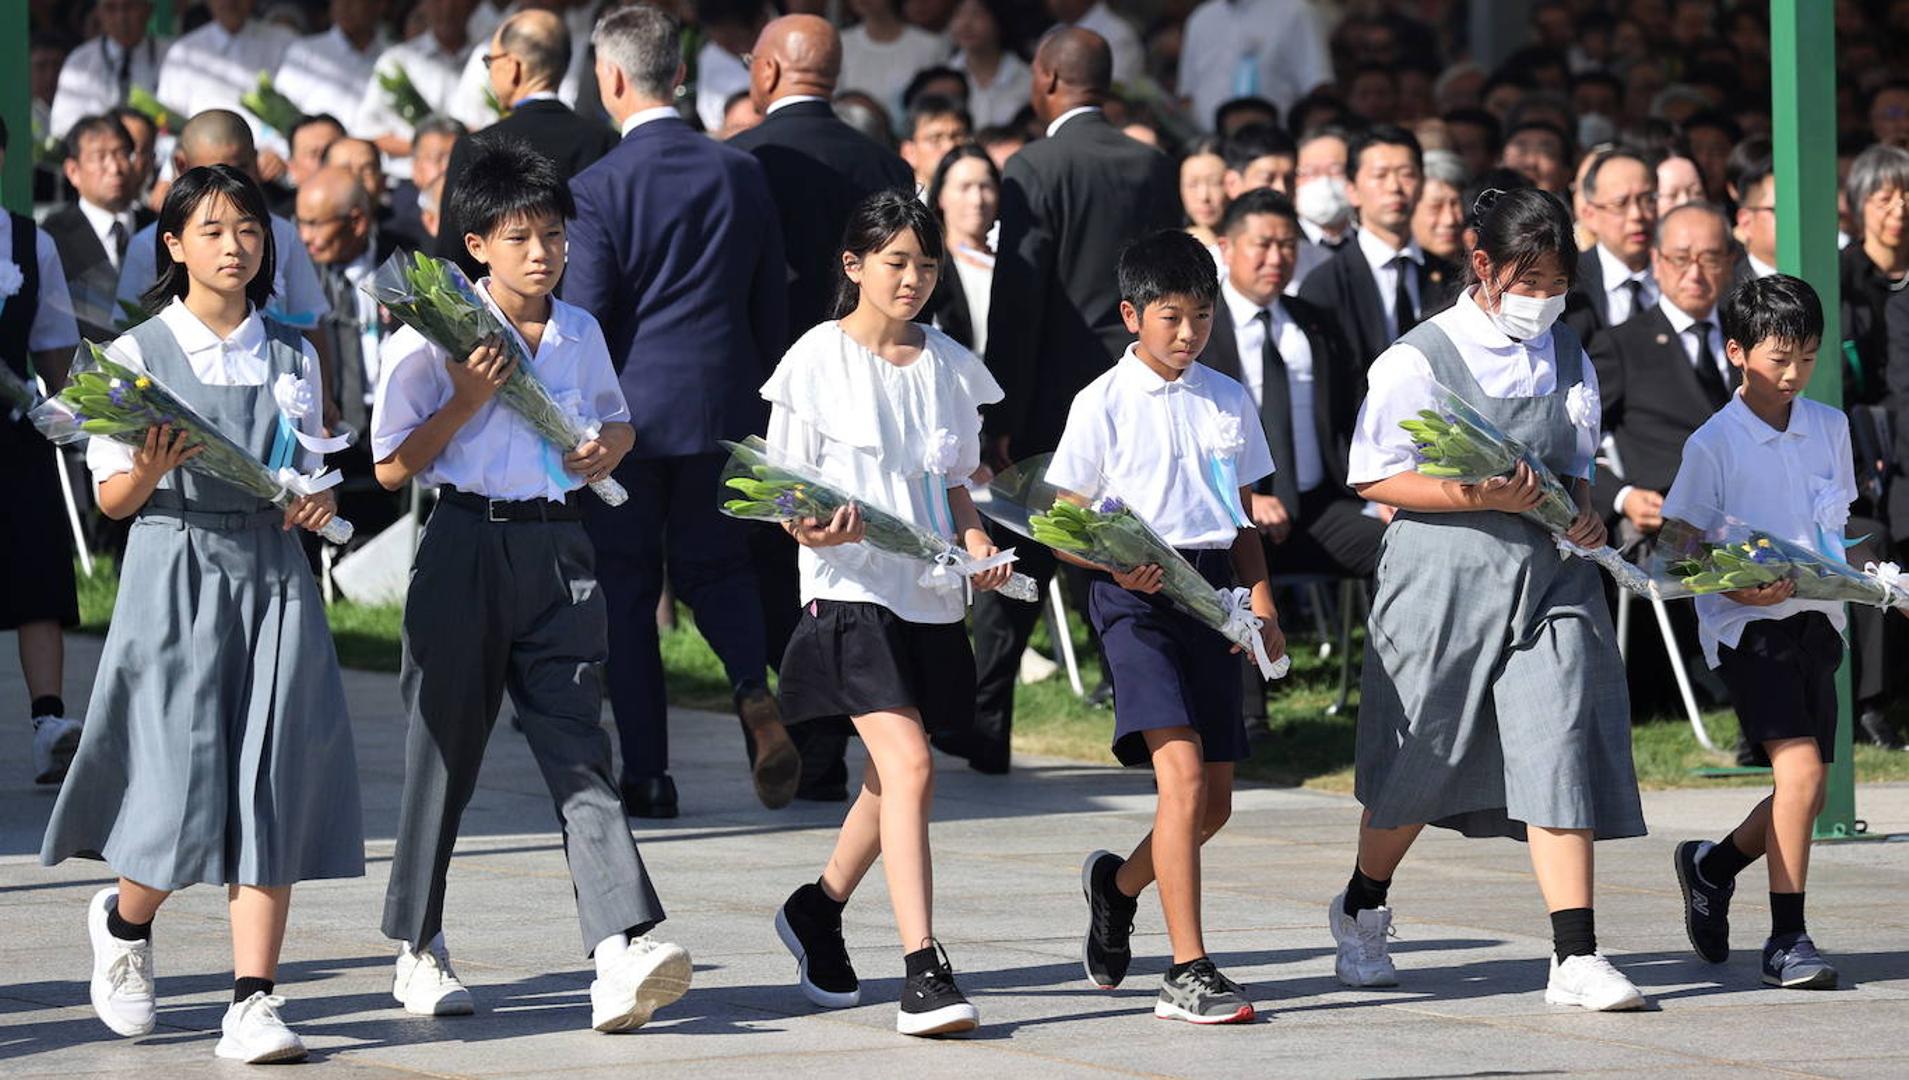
(1102, 697)
(823, 791)
(1875, 727)
(650, 797)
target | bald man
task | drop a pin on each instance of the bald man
(818, 168)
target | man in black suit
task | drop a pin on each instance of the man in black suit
(818, 169)
(1614, 281)
(527, 58)
(92, 233)
(1069, 203)
(1382, 284)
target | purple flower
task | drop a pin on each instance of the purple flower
(1765, 556)
(117, 393)
(785, 502)
(79, 418)
(1109, 505)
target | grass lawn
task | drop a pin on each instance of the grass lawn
(1306, 747)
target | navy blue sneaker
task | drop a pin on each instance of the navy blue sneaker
(1706, 907)
(1792, 962)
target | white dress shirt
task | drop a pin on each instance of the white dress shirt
(326, 74)
(1385, 274)
(236, 360)
(1400, 383)
(1758, 267)
(1251, 48)
(1153, 443)
(882, 69)
(1795, 484)
(53, 324)
(1296, 351)
(434, 70)
(357, 272)
(497, 454)
(297, 297)
(209, 68)
(89, 80)
(1130, 60)
(1060, 121)
(998, 101)
(1617, 292)
(1684, 325)
(102, 219)
(719, 74)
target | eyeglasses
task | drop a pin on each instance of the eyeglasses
(1642, 202)
(492, 58)
(748, 59)
(1712, 262)
(1759, 209)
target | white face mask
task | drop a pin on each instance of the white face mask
(1525, 317)
(1322, 200)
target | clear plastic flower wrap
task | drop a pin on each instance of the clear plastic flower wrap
(1688, 561)
(104, 399)
(767, 486)
(1099, 527)
(434, 298)
(1453, 441)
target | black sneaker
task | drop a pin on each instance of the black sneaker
(1706, 907)
(1201, 995)
(810, 925)
(1107, 950)
(931, 1003)
(1792, 962)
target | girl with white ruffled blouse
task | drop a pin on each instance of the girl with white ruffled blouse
(887, 409)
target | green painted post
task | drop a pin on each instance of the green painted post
(1803, 101)
(16, 103)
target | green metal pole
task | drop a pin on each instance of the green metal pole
(16, 103)
(1803, 103)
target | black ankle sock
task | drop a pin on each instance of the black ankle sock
(1723, 862)
(1174, 971)
(1786, 913)
(1573, 932)
(829, 903)
(244, 988)
(48, 705)
(1364, 894)
(127, 931)
(921, 960)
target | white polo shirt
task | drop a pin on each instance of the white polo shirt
(326, 74)
(89, 80)
(1795, 484)
(1176, 452)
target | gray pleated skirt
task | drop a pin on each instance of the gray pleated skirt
(1493, 696)
(217, 748)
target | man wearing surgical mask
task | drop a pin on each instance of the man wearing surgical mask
(1325, 211)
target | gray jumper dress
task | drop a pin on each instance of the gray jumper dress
(1493, 696)
(217, 748)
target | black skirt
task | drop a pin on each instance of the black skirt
(36, 547)
(849, 658)
(1781, 675)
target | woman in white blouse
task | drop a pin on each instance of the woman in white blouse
(998, 80)
(965, 196)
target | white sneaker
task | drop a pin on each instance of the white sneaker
(1593, 983)
(426, 986)
(650, 975)
(122, 972)
(1363, 960)
(252, 1032)
(1036, 668)
(55, 738)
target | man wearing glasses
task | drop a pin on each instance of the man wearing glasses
(1614, 277)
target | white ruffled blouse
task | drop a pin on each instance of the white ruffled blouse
(897, 437)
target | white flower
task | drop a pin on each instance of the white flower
(294, 396)
(1829, 505)
(10, 278)
(1583, 406)
(1222, 435)
(944, 450)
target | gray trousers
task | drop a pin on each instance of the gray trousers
(495, 607)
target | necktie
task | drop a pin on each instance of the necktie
(347, 347)
(125, 72)
(1636, 287)
(1404, 315)
(118, 235)
(1707, 374)
(1276, 414)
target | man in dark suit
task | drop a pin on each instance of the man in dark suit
(819, 168)
(1382, 284)
(92, 233)
(526, 60)
(675, 251)
(1614, 281)
(1069, 203)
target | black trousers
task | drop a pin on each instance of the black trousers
(1001, 631)
(822, 742)
(1332, 536)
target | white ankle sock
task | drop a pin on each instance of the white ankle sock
(609, 951)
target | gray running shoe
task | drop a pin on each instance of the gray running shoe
(1792, 962)
(1201, 995)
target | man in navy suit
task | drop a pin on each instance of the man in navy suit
(676, 251)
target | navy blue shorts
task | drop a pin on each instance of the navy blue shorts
(1168, 669)
(1782, 679)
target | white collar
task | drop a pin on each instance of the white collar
(1755, 426)
(1758, 267)
(101, 219)
(1616, 273)
(792, 99)
(1680, 321)
(644, 116)
(1134, 373)
(555, 330)
(1069, 115)
(194, 336)
(1242, 309)
(1377, 254)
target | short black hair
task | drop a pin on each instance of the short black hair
(1517, 228)
(1299, 118)
(919, 84)
(1166, 263)
(1603, 158)
(506, 180)
(312, 121)
(1751, 162)
(1779, 307)
(1255, 141)
(996, 134)
(1257, 201)
(96, 125)
(1234, 106)
(1381, 135)
(196, 186)
(1598, 77)
(1713, 118)
(929, 106)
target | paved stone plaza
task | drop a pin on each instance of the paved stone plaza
(1471, 946)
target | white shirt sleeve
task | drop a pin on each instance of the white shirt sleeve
(1696, 496)
(53, 324)
(792, 437)
(413, 388)
(1078, 464)
(1398, 386)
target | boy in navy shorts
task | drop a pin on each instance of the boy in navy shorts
(1182, 445)
(1781, 464)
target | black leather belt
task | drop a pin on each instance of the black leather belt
(513, 510)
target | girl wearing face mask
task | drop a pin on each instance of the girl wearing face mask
(1493, 699)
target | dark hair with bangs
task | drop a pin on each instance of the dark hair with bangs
(1255, 141)
(96, 125)
(872, 225)
(1167, 263)
(198, 186)
(1779, 307)
(1517, 228)
(507, 181)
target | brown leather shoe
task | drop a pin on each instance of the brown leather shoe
(775, 764)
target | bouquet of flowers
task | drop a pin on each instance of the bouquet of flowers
(1687, 561)
(1101, 529)
(105, 399)
(17, 396)
(772, 488)
(402, 95)
(273, 109)
(166, 119)
(434, 298)
(1453, 441)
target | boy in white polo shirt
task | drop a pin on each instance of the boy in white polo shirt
(1182, 445)
(1781, 464)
